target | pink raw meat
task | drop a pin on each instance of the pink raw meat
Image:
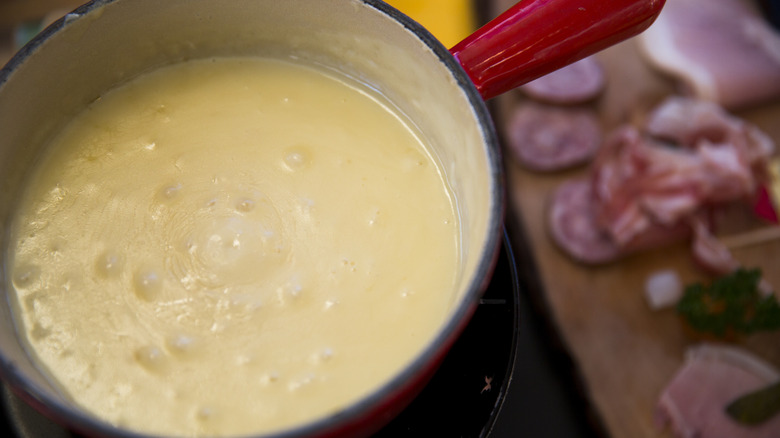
(645, 192)
(721, 50)
(713, 376)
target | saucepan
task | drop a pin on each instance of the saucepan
(107, 42)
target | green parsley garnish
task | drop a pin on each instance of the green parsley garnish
(730, 305)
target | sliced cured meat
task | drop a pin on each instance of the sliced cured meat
(690, 122)
(639, 182)
(573, 227)
(690, 40)
(647, 193)
(709, 252)
(575, 83)
(549, 138)
(693, 404)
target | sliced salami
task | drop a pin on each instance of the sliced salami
(573, 227)
(576, 83)
(547, 138)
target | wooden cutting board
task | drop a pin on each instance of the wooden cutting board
(626, 353)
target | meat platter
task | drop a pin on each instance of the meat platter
(625, 351)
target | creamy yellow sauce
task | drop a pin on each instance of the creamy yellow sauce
(232, 246)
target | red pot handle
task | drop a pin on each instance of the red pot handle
(536, 37)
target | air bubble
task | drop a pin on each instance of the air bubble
(297, 384)
(109, 264)
(322, 356)
(296, 158)
(373, 216)
(26, 276)
(269, 378)
(289, 291)
(204, 413)
(245, 205)
(181, 344)
(150, 357)
(170, 191)
(147, 284)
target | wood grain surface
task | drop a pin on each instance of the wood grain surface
(626, 352)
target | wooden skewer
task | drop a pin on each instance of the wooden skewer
(750, 238)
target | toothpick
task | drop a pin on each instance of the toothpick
(750, 238)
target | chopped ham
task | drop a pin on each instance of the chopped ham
(709, 252)
(693, 404)
(648, 190)
(691, 122)
(691, 39)
(639, 182)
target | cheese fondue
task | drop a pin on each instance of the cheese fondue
(232, 246)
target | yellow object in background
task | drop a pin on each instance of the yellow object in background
(449, 21)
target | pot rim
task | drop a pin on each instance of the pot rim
(395, 387)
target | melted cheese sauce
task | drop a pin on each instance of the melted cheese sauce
(232, 246)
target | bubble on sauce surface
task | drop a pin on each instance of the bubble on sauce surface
(349, 264)
(26, 276)
(242, 360)
(301, 382)
(181, 344)
(235, 247)
(147, 284)
(235, 238)
(204, 413)
(150, 357)
(374, 215)
(57, 247)
(296, 158)
(121, 391)
(245, 205)
(39, 332)
(109, 263)
(269, 378)
(289, 291)
(170, 191)
(321, 356)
